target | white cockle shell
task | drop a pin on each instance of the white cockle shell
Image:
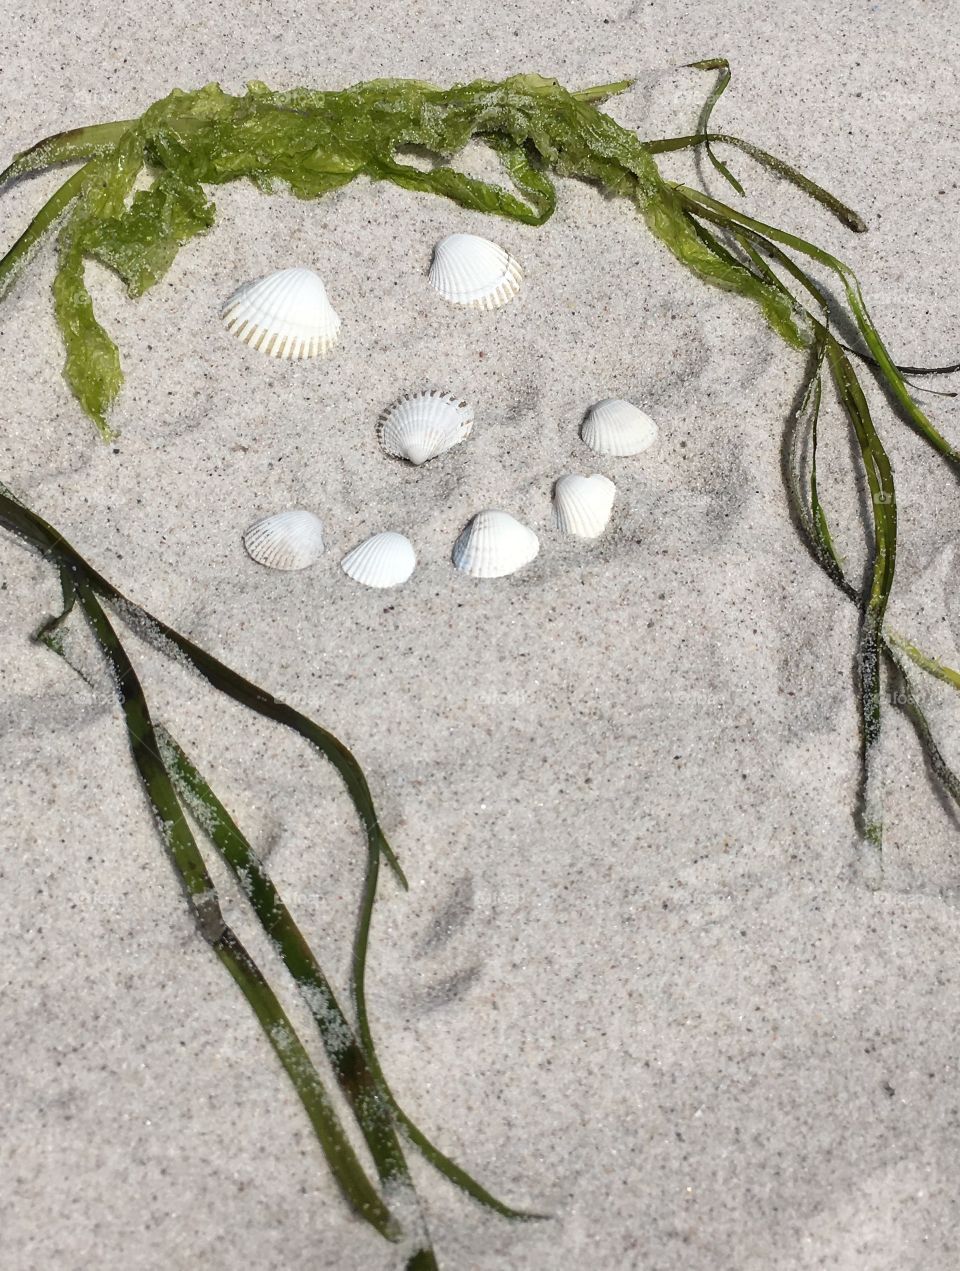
(286, 540)
(424, 425)
(494, 544)
(469, 270)
(385, 560)
(616, 427)
(286, 315)
(582, 505)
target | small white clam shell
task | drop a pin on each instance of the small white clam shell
(469, 270)
(385, 560)
(616, 427)
(286, 540)
(286, 315)
(494, 544)
(424, 425)
(582, 505)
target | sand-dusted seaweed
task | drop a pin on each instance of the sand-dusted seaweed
(311, 142)
(176, 793)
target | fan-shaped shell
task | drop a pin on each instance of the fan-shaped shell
(469, 270)
(286, 315)
(582, 505)
(424, 425)
(385, 560)
(616, 427)
(494, 544)
(286, 540)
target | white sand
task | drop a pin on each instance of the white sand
(639, 980)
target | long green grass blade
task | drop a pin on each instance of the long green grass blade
(786, 171)
(203, 899)
(722, 214)
(375, 1110)
(703, 125)
(74, 145)
(19, 254)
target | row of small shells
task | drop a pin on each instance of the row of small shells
(288, 314)
(491, 545)
(424, 425)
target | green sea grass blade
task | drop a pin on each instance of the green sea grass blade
(202, 896)
(19, 254)
(933, 666)
(722, 214)
(15, 516)
(846, 215)
(884, 523)
(72, 146)
(910, 704)
(703, 124)
(292, 947)
(813, 521)
(601, 92)
(50, 633)
(346, 1056)
(907, 370)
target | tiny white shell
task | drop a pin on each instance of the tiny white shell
(286, 540)
(494, 544)
(286, 315)
(469, 270)
(385, 560)
(582, 505)
(616, 427)
(424, 425)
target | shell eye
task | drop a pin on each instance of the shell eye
(469, 270)
(286, 540)
(617, 427)
(494, 544)
(286, 315)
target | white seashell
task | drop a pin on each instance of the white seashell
(468, 270)
(582, 505)
(493, 544)
(386, 560)
(616, 427)
(286, 540)
(423, 426)
(286, 314)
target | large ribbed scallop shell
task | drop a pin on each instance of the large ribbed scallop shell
(286, 540)
(582, 505)
(617, 427)
(423, 426)
(385, 560)
(494, 544)
(469, 270)
(286, 315)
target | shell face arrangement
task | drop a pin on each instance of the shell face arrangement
(582, 505)
(286, 540)
(616, 427)
(469, 270)
(286, 315)
(494, 544)
(385, 560)
(422, 426)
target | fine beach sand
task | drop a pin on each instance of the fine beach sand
(639, 981)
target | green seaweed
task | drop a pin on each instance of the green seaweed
(142, 193)
(174, 787)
